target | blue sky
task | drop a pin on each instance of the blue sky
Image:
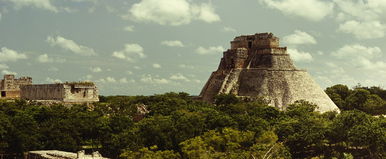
(143, 47)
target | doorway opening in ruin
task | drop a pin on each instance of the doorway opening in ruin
(3, 94)
(249, 44)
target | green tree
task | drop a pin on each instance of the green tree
(153, 153)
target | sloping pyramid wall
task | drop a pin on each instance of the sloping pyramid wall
(256, 66)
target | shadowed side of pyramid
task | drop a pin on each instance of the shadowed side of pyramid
(256, 66)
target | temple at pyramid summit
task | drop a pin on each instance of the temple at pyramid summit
(257, 67)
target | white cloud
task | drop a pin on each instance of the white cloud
(205, 12)
(50, 80)
(368, 10)
(229, 29)
(110, 79)
(95, 69)
(153, 80)
(364, 30)
(70, 45)
(41, 4)
(156, 65)
(44, 58)
(3, 67)
(361, 56)
(4, 72)
(300, 56)
(210, 50)
(186, 66)
(10, 55)
(363, 18)
(89, 77)
(299, 38)
(172, 12)
(356, 50)
(179, 77)
(1, 16)
(130, 53)
(123, 80)
(129, 28)
(173, 43)
(314, 10)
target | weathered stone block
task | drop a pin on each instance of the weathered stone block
(256, 66)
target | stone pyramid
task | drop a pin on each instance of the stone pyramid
(256, 66)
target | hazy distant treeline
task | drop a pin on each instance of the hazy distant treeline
(179, 127)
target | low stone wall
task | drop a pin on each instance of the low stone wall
(67, 93)
(42, 92)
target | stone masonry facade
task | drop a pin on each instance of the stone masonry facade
(74, 92)
(10, 86)
(257, 67)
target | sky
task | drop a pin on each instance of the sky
(145, 47)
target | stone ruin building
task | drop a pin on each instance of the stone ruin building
(55, 154)
(256, 66)
(10, 86)
(70, 92)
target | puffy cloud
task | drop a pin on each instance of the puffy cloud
(299, 38)
(41, 4)
(314, 10)
(45, 59)
(172, 12)
(364, 30)
(210, 50)
(156, 65)
(361, 56)
(205, 12)
(173, 43)
(300, 56)
(125, 80)
(3, 67)
(95, 69)
(110, 79)
(153, 80)
(50, 80)
(368, 10)
(363, 19)
(1, 16)
(129, 28)
(10, 55)
(130, 53)
(356, 50)
(179, 77)
(70, 45)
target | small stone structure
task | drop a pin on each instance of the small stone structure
(256, 66)
(55, 154)
(10, 86)
(74, 92)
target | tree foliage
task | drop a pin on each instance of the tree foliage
(180, 127)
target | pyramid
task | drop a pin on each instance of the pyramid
(257, 67)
